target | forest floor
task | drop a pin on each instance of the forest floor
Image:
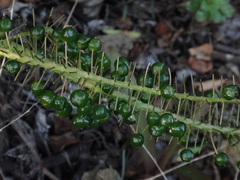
(42, 145)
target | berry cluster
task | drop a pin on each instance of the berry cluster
(69, 48)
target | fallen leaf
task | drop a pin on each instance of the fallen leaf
(59, 143)
(203, 52)
(124, 24)
(63, 125)
(208, 85)
(200, 66)
(5, 3)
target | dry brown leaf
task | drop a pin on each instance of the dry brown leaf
(208, 85)
(59, 143)
(200, 66)
(5, 3)
(203, 52)
(63, 125)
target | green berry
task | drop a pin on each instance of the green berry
(47, 99)
(56, 34)
(144, 97)
(210, 94)
(95, 123)
(106, 87)
(37, 32)
(131, 119)
(41, 51)
(156, 131)
(119, 105)
(6, 25)
(125, 110)
(166, 119)
(230, 92)
(114, 75)
(82, 41)
(69, 35)
(12, 66)
(164, 79)
(79, 98)
(158, 67)
(148, 82)
(167, 91)
(81, 121)
(66, 111)
(186, 155)
(177, 129)
(122, 60)
(86, 62)
(37, 88)
(136, 140)
(102, 61)
(95, 44)
(122, 70)
(233, 140)
(59, 103)
(153, 118)
(72, 51)
(85, 110)
(221, 159)
(99, 112)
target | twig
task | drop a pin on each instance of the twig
(70, 15)
(153, 159)
(14, 120)
(181, 165)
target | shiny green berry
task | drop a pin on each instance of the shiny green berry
(167, 91)
(131, 120)
(86, 62)
(72, 51)
(230, 92)
(114, 75)
(122, 60)
(221, 159)
(125, 110)
(119, 105)
(95, 123)
(99, 111)
(59, 103)
(37, 88)
(147, 82)
(69, 35)
(12, 66)
(136, 139)
(95, 44)
(156, 130)
(122, 70)
(153, 118)
(6, 25)
(158, 67)
(166, 119)
(177, 129)
(186, 155)
(56, 34)
(144, 97)
(66, 111)
(79, 98)
(81, 121)
(106, 87)
(85, 110)
(102, 61)
(47, 99)
(211, 94)
(37, 32)
(83, 41)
